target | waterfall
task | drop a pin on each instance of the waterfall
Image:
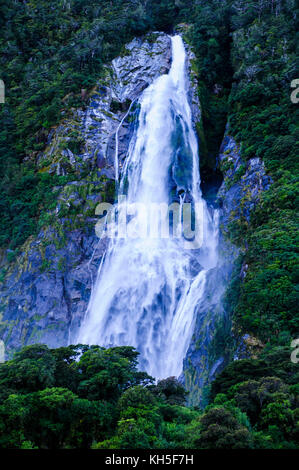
(148, 288)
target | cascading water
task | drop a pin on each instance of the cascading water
(148, 288)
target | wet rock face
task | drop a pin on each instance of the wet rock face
(45, 293)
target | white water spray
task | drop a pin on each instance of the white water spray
(148, 289)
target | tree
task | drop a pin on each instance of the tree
(163, 14)
(106, 374)
(32, 369)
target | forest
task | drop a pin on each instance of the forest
(89, 397)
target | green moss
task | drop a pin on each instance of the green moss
(46, 265)
(229, 182)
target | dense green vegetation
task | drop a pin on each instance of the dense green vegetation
(88, 396)
(265, 120)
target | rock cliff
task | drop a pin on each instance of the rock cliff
(45, 292)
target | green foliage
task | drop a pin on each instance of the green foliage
(170, 391)
(74, 396)
(272, 362)
(220, 429)
(52, 51)
(268, 297)
(107, 373)
(164, 14)
(25, 195)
